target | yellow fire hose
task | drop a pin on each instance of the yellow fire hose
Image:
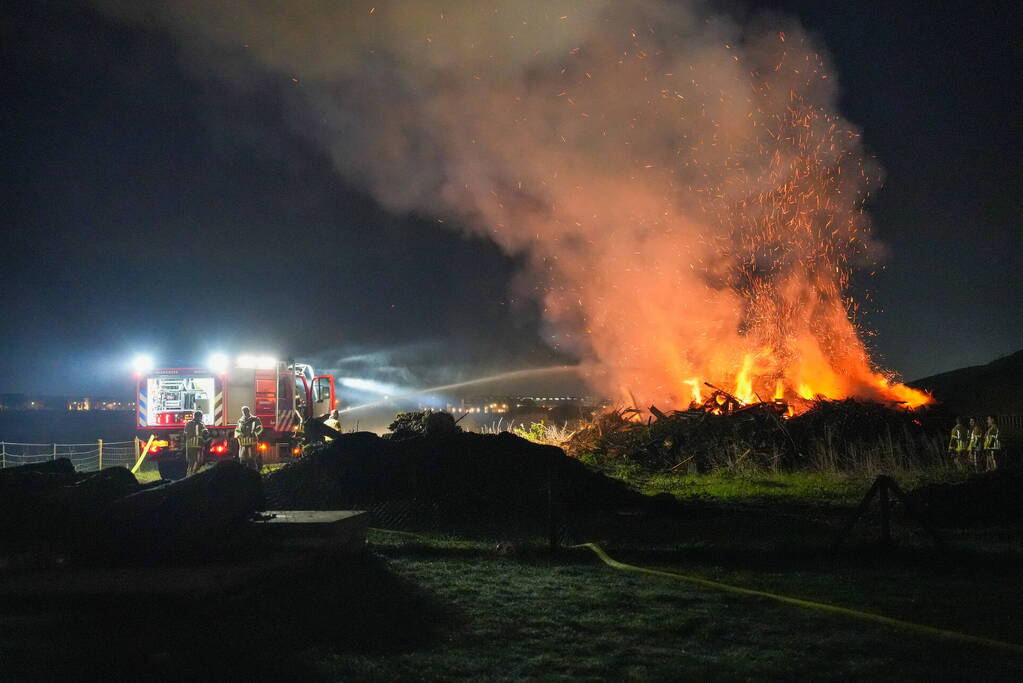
(807, 604)
(145, 452)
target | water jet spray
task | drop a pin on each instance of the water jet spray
(513, 374)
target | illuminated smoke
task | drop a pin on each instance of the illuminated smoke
(684, 190)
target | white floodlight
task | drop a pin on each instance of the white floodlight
(256, 362)
(218, 363)
(142, 363)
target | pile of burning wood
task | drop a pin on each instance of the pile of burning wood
(724, 432)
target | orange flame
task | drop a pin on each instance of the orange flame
(694, 383)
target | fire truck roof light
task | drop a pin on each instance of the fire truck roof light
(218, 363)
(142, 363)
(256, 362)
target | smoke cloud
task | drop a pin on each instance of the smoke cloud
(686, 195)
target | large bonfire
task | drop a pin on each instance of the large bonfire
(688, 199)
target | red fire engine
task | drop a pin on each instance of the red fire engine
(281, 394)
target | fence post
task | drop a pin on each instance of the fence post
(553, 509)
(100, 466)
(3, 449)
(54, 451)
(886, 525)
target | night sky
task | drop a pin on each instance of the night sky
(145, 210)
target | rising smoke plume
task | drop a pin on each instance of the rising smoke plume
(685, 192)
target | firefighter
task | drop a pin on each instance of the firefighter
(247, 433)
(334, 422)
(992, 444)
(974, 444)
(196, 435)
(957, 444)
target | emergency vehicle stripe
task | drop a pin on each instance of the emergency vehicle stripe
(218, 408)
(143, 413)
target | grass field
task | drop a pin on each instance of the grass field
(573, 618)
(438, 607)
(533, 616)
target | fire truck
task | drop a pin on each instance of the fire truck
(282, 394)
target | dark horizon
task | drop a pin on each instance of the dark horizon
(147, 211)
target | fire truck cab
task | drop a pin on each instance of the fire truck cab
(282, 394)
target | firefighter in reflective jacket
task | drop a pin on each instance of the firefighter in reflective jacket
(957, 444)
(992, 444)
(247, 433)
(196, 435)
(975, 444)
(334, 422)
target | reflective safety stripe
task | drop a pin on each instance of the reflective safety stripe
(195, 435)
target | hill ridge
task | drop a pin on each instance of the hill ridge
(993, 388)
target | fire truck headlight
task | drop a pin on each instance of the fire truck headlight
(218, 363)
(142, 363)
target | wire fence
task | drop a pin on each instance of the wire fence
(86, 457)
(1011, 421)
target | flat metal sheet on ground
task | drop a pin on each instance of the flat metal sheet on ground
(310, 516)
(339, 529)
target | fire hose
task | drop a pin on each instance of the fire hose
(807, 604)
(824, 607)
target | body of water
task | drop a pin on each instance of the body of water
(51, 426)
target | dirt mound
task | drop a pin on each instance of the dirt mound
(194, 517)
(50, 502)
(109, 516)
(443, 480)
(987, 498)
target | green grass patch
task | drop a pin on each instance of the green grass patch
(530, 617)
(147, 473)
(828, 488)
